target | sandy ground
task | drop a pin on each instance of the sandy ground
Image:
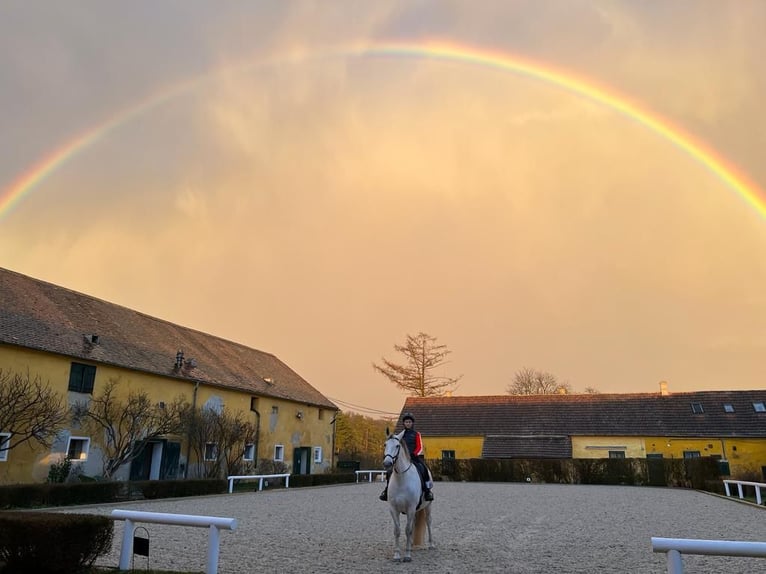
(477, 527)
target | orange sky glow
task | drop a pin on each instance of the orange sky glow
(253, 173)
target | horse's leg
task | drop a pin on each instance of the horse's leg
(427, 512)
(397, 532)
(408, 530)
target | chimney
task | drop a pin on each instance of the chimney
(664, 389)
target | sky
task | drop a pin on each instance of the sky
(574, 187)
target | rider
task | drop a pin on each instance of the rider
(415, 444)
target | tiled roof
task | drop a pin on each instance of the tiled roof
(526, 447)
(39, 315)
(645, 414)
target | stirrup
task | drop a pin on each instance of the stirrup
(428, 495)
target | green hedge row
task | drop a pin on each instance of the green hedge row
(700, 473)
(77, 493)
(52, 543)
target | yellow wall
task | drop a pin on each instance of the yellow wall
(599, 447)
(464, 447)
(31, 464)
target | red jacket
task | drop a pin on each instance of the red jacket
(414, 442)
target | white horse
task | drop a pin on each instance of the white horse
(405, 496)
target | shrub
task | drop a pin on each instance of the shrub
(59, 471)
(26, 541)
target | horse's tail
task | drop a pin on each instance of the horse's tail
(419, 534)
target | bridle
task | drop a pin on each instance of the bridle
(395, 457)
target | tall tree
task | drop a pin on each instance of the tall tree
(532, 382)
(30, 411)
(122, 427)
(423, 356)
(218, 439)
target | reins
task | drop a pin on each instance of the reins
(395, 458)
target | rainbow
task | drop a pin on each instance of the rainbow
(590, 90)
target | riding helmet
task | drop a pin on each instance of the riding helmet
(408, 416)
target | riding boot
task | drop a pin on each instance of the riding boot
(384, 494)
(427, 494)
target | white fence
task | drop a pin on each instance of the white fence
(214, 523)
(371, 473)
(740, 483)
(260, 478)
(674, 547)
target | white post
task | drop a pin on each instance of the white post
(287, 481)
(726, 486)
(739, 488)
(675, 563)
(758, 493)
(231, 485)
(260, 483)
(212, 550)
(127, 544)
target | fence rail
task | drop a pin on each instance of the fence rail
(675, 547)
(213, 523)
(371, 473)
(260, 478)
(740, 483)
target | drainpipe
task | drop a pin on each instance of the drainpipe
(257, 434)
(188, 434)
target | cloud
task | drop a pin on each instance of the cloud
(323, 209)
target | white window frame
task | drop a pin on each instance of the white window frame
(214, 450)
(5, 437)
(249, 453)
(85, 447)
(279, 453)
(759, 407)
(317, 454)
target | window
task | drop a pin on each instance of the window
(728, 408)
(321, 415)
(78, 448)
(759, 407)
(691, 454)
(81, 378)
(654, 455)
(274, 410)
(318, 454)
(5, 442)
(697, 408)
(211, 451)
(279, 452)
(254, 404)
(249, 452)
(448, 454)
(616, 454)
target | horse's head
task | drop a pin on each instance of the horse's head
(393, 449)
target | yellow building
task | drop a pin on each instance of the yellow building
(78, 344)
(726, 425)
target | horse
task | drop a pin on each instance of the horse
(405, 496)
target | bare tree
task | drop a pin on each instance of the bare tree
(423, 356)
(126, 425)
(219, 439)
(532, 382)
(30, 411)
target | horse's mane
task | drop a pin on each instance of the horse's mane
(404, 451)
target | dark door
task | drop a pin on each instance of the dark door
(301, 460)
(171, 454)
(656, 470)
(142, 464)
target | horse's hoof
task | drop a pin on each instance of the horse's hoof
(406, 559)
(397, 559)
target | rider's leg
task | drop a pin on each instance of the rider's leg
(423, 470)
